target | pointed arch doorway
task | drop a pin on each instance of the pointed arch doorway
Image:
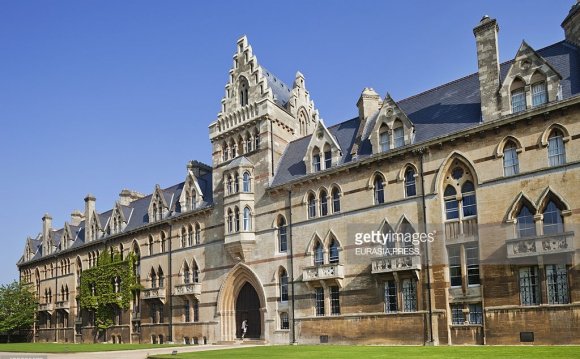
(241, 297)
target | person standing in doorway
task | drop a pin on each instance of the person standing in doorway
(244, 328)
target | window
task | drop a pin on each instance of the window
(518, 96)
(150, 245)
(334, 300)
(236, 219)
(468, 202)
(246, 186)
(557, 284)
(454, 266)
(539, 94)
(384, 138)
(316, 160)
(319, 301)
(186, 274)
(197, 234)
(311, 206)
(229, 185)
(153, 276)
(256, 139)
(243, 94)
(195, 311)
(327, 159)
(510, 159)
(282, 235)
(186, 311)
(475, 313)
(410, 188)
(398, 136)
(323, 203)
(160, 277)
(552, 219)
(284, 322)
(195, 273)
(318, 254)
(472, 259)
(390, 296)
(529, 286)
(162, 243)
(236, 183)
(247, 219)
(457, 316)
(451, 203)
(525, 223)
(335, 200)
(556, 150)
(333, 253)
(230, 221)
(283, 285)
(409, 295)
(379, 190)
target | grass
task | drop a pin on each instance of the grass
(399, 352)
(74, 348)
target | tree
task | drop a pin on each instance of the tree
(17, 307)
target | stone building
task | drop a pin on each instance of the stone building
(477, 181)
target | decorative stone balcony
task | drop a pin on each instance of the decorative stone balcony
(45, 307)
(324, 272)
(240, 244)
(541, 245)
(188, 289)
(464, 231)
(396, 263)
(154, 293)
(63, 305)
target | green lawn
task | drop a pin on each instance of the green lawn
(397, 352)
(73, 348)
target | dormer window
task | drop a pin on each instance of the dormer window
(518, 96)
(398, 134)
(316, 160)
(384, 138)
(327, 156)
(539, 93)
(243, 94)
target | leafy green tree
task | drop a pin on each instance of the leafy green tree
(17, 307)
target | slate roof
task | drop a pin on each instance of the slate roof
(443, 110)
(280, 90)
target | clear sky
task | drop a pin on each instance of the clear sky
(97, 96)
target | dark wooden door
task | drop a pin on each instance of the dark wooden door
(248, 308)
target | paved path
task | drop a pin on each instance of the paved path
(123, 354)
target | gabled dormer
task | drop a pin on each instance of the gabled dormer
(323, 151)
(159, 205)
(120, 217)
(68, 236)
(302, 107)
(530, 82)
(192, 195)
(392, 128)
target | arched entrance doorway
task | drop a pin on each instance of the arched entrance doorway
(248, 308)
(241, 297)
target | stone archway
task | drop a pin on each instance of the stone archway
(242, 289)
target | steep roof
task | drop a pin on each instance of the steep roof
(280, 91)
(443, 110)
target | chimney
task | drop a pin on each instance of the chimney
(368, 103)
(76, 217)
(571, 24)
(488, 67)
(89, 210)
(127, 196)
(46, 227)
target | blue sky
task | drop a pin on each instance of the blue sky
(97, 96)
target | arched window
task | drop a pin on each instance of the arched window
(197, 234)
(518, 96)
(189, 235)
(232, 149)
(410, 187)
(193, 202)
(552, 219)
(153, 276)
(539, 90)
(318, 254)
(468, 201)
(229, 183)
(556, 150)
(511, 164)
(327, 156)
(236, 183)
(282, 234)
(283, 285)
(195, 272)
(333, 251)
(162, 243)
(256, 139)
(247, 219)
(243, 95)
(150, 244)
(225, 151)
(248, 139)
(379, 190)
(183, 237)
(246, 187)
(160, 277)
(311, 206)
(236, 219)
(154, 211)
(230, 221)
(398, 134)
(451, 204)
(323, 203)
(316, 159)
(384, 140)
(186, 273)
(335, 200)
(525, 223)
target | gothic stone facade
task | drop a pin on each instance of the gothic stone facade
(484, 169)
